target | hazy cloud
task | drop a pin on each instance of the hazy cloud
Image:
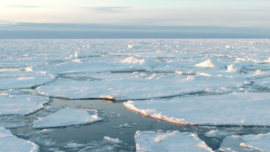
(108, 9)
(23, 6)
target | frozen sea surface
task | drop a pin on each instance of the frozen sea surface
(22, 79)
(141, 86)
(258, 142)
(219, 86)
(67, 117)
(171, 141)
(21, 104)
(229, 109)
(8, 142)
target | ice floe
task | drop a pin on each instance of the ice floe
(247, 143)
(229, 109)
(19, 80)
(67, 117)
(139, 88)
(11, 143)
(77, 67)
(152, 141)
(20, 104)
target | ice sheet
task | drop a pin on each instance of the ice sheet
(139, 88)
(19, 80)
(67, 117)
(20, 104)
(229, 109)
(77, 67)
(152, 141)
(10, 143)
(246, 143)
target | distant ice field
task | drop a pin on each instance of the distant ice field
(210, 82)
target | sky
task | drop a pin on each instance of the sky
(247, 18)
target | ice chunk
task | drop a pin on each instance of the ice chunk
(20, 104)
(247, 143)
(137, 88)
(152, 141)
(19, 80)
(140, 62)
(210, 64)
(126, 125)
(67, 117)
(230, 68)
(130, 46)
(229, 109)
(113, 140)
(10, 143)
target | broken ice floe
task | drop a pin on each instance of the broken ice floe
(19, 80)
(152, 141)
(11, 143)
(67, 117)
(153, 86)
(230, 109)
(20, 104)
(220, 134)
(246, 143)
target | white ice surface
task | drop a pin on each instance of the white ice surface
(18, 80)
(10, 143)
(246, 143)
(139, 88)
(152, 141)
(229, 109)
(67, 117)
(20, 104)
(76, 67)
(113, 140)
(213, 63)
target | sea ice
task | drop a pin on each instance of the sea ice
(229, 109)
(19, 80)
(67, 117)
(219, 134)
(10, 143)
(139, 88)
(152, 141)
(112, 140)
(75, 67)
(246, 143)
(20, 104)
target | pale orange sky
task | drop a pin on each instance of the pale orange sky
(231, 13)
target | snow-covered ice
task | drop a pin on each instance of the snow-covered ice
(67, 117)
(113, 140)
(20, 104)
(213, 79)
(10, 143)
(19, 80)
(247, 143)
(139, 88)
(229, 109)
(152, 141)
